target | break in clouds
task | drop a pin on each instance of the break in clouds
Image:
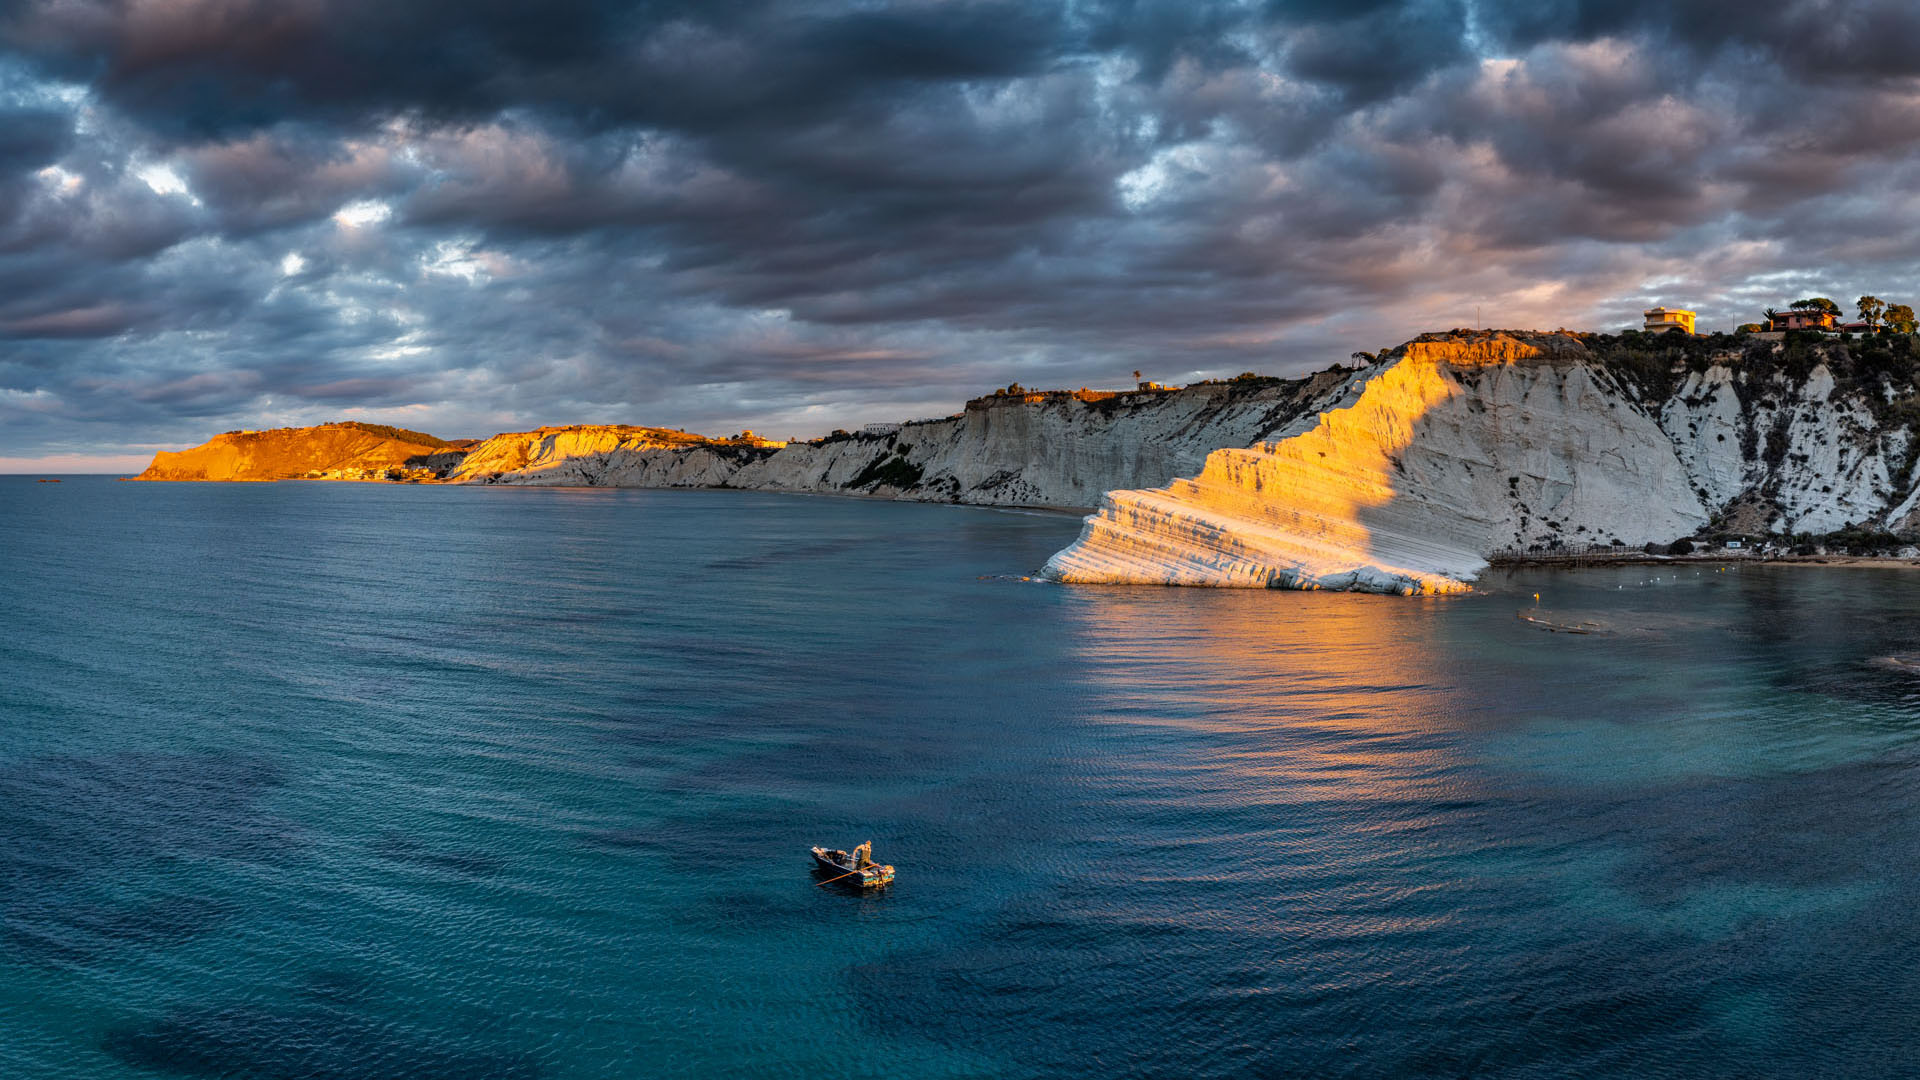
(484, 215)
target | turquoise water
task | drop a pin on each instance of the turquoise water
(354, 781)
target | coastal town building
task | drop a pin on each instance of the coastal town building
(1801, 319)
(1659, 320)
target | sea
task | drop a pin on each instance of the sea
(366, 782)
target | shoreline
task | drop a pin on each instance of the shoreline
(1576, 562)
(1551, 562)
(1044, 508)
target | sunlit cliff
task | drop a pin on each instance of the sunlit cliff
(1404, 482)
(1399, 476)
(1022, 449)
(584, 454)
(344, 451)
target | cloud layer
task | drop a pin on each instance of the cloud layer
(477, 216)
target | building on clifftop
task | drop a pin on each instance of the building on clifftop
(1800, 319)
(1662, 319)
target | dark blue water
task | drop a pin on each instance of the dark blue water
(355, 782)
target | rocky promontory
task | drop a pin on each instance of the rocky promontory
(1405, 480)
(607, 455)
(342, 451)
(1456, 446)
(1403, 474)
(1011, 448)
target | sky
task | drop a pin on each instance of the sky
(473, 216)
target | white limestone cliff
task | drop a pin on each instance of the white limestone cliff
(1051, 449)
(1795, 457)
(583, 455)
(1443, 454)
(1401, 477)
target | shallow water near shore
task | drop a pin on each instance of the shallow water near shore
(357, 781)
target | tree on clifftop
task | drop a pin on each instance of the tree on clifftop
(1870, 308)
(1899, 319)
(1816, 303)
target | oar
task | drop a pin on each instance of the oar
(831, 880)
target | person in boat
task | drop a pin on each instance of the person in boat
(863, 856)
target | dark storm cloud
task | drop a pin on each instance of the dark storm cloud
(289, 176)
(30, 138)
(1369, 58)
(213, 67)
(800, 215)
(1810, 41)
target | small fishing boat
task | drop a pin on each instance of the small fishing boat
(855, 868)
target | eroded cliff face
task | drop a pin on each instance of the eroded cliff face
(1430, 461)
(1774, 450)
(1460, 445)
(1053, 449)
(587, 455)
(1400, 477)
(345, 451)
